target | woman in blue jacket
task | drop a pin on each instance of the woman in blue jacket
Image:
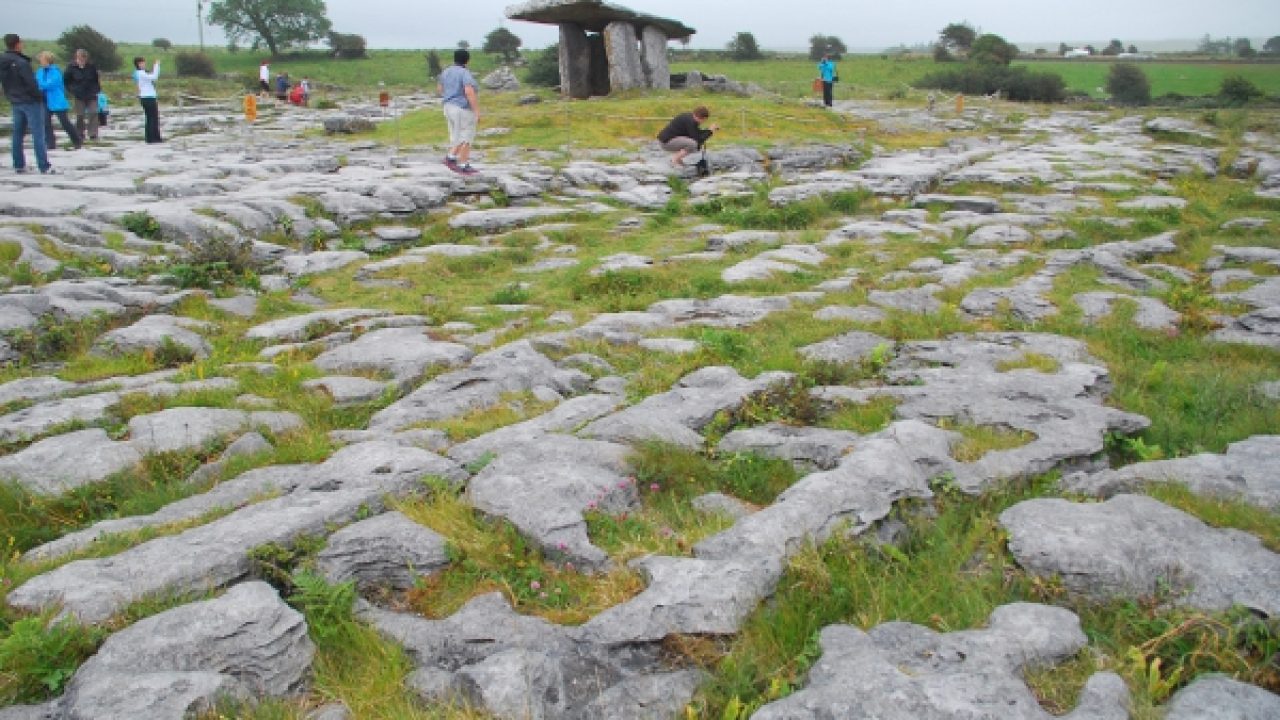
(49, 78)
(827, 71)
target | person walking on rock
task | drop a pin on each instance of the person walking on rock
(27, 102)
(84, 85)
(49, 78)
(827, 71)
(147, 96)
(264, 79)
(685, 134)
(457, 88)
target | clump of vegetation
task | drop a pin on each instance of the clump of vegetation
(1238, 90)
(102, 49)
(194, 64)
(217, 261)
(39, 655)
(543, 68)
(142, 224)
(1128, 84)
(1014, 83)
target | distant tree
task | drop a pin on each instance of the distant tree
(544, 67)
(1133, 49)
(1244, 48)
(162, 44)
(194, 64)
(464, 45)
(1238, 90)
(1209, 46)
(503, 42)
(1092, 50)
(102, 50)
(942, 54)
(1063, 48)
(433, 64)
(277, 23)
(820, 45)
(347, 46)
(1041, 51)
(1272, 46)
(1114, 48)
(743, 46)
(1128, 84)
(957, 38)
(992, 50)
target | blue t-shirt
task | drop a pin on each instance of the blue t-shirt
(827, 70)
(453, 83)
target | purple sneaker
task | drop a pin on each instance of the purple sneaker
(468, 170)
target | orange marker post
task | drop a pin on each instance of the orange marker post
(960, 104)
(250, 108)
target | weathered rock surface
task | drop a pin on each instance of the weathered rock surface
(297, 328)
(247, 643)
(1132, 546)
(152, 333)
(806, 447)
(1248, 471)
(678, 415)
(387, 550)
(901, 671)
(356, 477)
(512, 368)
(405, 354)
(192, 427)
(1218, 696)
(850, 349)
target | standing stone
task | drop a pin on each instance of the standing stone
(623, 47)
(575, 62)
(653, 58)
(598, 70)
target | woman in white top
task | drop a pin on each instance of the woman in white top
(147, 96)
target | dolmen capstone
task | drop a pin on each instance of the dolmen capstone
(606, 47)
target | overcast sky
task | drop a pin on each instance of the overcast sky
(776, 24)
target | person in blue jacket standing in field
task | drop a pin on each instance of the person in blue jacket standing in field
(49, 78)
(827, 72)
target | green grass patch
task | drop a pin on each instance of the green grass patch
(978, 440)
(492, 556)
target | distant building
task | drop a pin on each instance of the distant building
(1135, 56)
(1077, 53)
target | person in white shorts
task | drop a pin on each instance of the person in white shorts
(457, 88)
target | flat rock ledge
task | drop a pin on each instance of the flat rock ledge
(1133, 547)
(1249, 471)
(245, 644)
(903, 671)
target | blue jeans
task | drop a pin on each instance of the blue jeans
(29, 117)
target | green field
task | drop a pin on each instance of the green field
(1184, 78)
(861, 76)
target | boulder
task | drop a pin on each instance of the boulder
(805, 447)
(501, 80)
(152, 333)
(1134, 547)
(388, 550)
(1218, 696)
(405, 354)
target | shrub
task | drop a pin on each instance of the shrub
(1128, 84)
(743, 46)
(162, 44)
(218, 260)
(1238, 90)
(992, 50)
(141, 223)
(102, 50)
(434, 69)
(194, 64)
(544, 67)
(347, 46)
(1017, 84)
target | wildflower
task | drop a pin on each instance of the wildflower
(654, 487)
(535, 585)
(542, 595)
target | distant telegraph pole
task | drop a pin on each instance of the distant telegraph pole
(200, 21)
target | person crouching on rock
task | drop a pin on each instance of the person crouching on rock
(684, 134)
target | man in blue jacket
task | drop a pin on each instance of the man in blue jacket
(827, 71)
(28, 104)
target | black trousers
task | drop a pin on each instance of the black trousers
(152, 110)
(827, 91)
(50, 139)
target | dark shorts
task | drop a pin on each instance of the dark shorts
(266, 86)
